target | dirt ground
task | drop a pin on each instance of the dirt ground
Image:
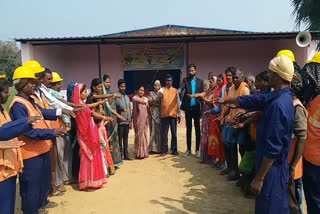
(170, 184)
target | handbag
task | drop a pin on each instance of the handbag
(247, 164)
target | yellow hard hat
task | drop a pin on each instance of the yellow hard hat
(315, 59)
(23, 72)
(3, 76)
(288, 53)
(56, 77)
(37, 68)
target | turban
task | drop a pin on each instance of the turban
(283, 66)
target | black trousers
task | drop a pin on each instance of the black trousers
(194, 114)
(165, 123)
(123, 132)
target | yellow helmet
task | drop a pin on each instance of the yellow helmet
(23, 72)
(315, 59)
(36, 67)
(288, 53)
(3, 76)
(56, 77)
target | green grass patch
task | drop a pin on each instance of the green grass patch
(12, 92)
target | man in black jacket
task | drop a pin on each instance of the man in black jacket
(192, 106)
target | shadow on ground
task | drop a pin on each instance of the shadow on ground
(207, 191)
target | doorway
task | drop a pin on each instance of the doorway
(147, 77)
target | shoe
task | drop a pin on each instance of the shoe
(225, 171)
(67, 182)
(163, 154)
(233, 176)
(198, 154)
(49, 205)
(55, 192)
(43, 211)
(175, 153)
(62, 188)
(186, 154)
(220, 166)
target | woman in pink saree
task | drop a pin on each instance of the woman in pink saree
(140, 123)
(92, 174)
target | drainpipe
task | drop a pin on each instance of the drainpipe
(187, 57)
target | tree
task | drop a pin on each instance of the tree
(307, 13)
(10, 58)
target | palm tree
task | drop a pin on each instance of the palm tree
(307, 13)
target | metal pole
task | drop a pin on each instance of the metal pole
(187, 57)
(99, 61)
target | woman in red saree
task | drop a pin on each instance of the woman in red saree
(215, 144)
(91, 173)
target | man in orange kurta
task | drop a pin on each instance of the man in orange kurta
(170, 115)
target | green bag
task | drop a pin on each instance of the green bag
(247, 164)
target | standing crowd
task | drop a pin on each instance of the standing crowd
(270, 121)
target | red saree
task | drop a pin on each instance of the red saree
(215, 144)
(91, 173)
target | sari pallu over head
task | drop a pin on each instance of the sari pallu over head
(87, 131)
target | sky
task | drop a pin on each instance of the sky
(63, 18)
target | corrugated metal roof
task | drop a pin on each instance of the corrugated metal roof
(169, 33)
(172, 30)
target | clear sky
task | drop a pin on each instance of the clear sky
(57, 18)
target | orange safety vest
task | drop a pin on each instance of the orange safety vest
(43, 103)
(33, 148)
(11, 162)
(312, 147)
(299, 167)
(240, 92)
(225, 95)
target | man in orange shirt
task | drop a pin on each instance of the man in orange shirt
(170, 115)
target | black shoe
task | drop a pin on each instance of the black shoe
(175, 153)
(233, 176)
(225, 171)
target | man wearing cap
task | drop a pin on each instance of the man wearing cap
(274, 134)
(35, 180)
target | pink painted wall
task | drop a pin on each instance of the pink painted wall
(80, 62)
(252, 56)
